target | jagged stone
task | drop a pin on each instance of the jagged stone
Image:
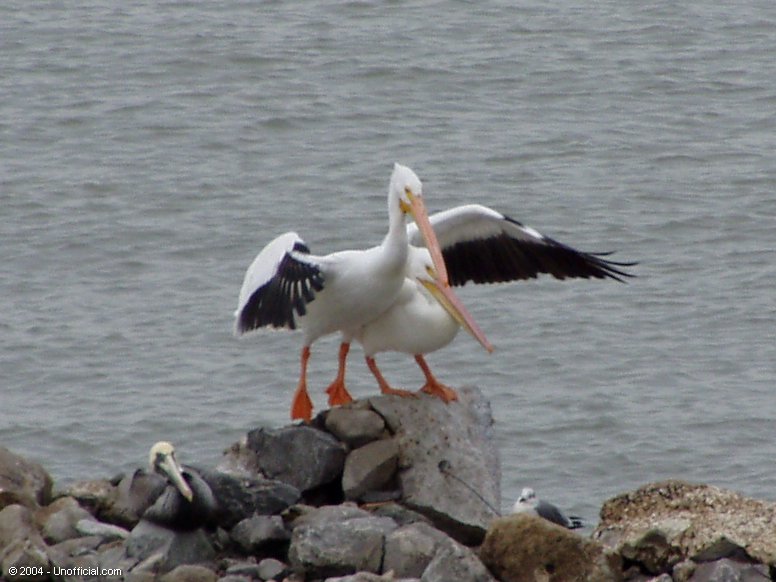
(105, 531)
(727, 570)
(272, 569)
(717, 522)
(22, 482)
(410, 549)
(457, 436)
(249, 569)
(337, 541)
(57, 521)
(400, 514)
(526, 548)
(96, 495)
(456, 564)
(112, 556)
(299, 455)
(369, 468)
(655, 549)
(258, 532)
(27, 559)
(683, 570)
(189, 573)
(173, 548)
(369, 577)
(17, 524)
(240, 497)
(354, 426)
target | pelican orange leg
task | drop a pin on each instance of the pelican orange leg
(337, 392)
(301, 405)
(434, 386)
(385, 388)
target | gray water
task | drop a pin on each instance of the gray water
(148, 150)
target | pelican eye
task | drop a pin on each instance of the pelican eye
(430, 271)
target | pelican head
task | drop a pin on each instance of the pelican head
(421, 267)
(407, 188)
(162, 461)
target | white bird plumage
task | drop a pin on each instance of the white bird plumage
(529, 503)
(286, 287)
(481, 245)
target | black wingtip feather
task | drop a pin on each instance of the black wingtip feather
(288, 292)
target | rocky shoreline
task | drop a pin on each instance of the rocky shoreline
(386, 488)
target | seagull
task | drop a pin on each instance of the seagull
(183, 501)
(529, 503)
(286, 287)
(481, 245)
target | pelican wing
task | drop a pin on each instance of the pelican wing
(482, 245)
(278, 285)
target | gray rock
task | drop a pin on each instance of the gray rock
(106, 531)
(654, 548)
(324, 546)
(457, 564)
(369, 468)
(113, 556)
(683, 570)
(421, 551)
(189, 573)
(300, 455)
(722, 547)
(459, 435)
(239, 460)
(172, 548)
(272, 569)
(27, 558)
(727, 570)
(369, 577)
(692, 519)
(240, 497)
(96, 496)
(309, 516)
(17, 524)
(410, 549)
(74, 547)
(249, 569)
(259, 531)
(22, 482)
(355, 427)
(235, 578)
(58, 520)
(400, 514)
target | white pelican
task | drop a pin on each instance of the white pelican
(286, 287)
(184, 501)
(529, 503)
(480, 245)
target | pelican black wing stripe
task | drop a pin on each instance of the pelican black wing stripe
(501, 258)
(288, 292)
